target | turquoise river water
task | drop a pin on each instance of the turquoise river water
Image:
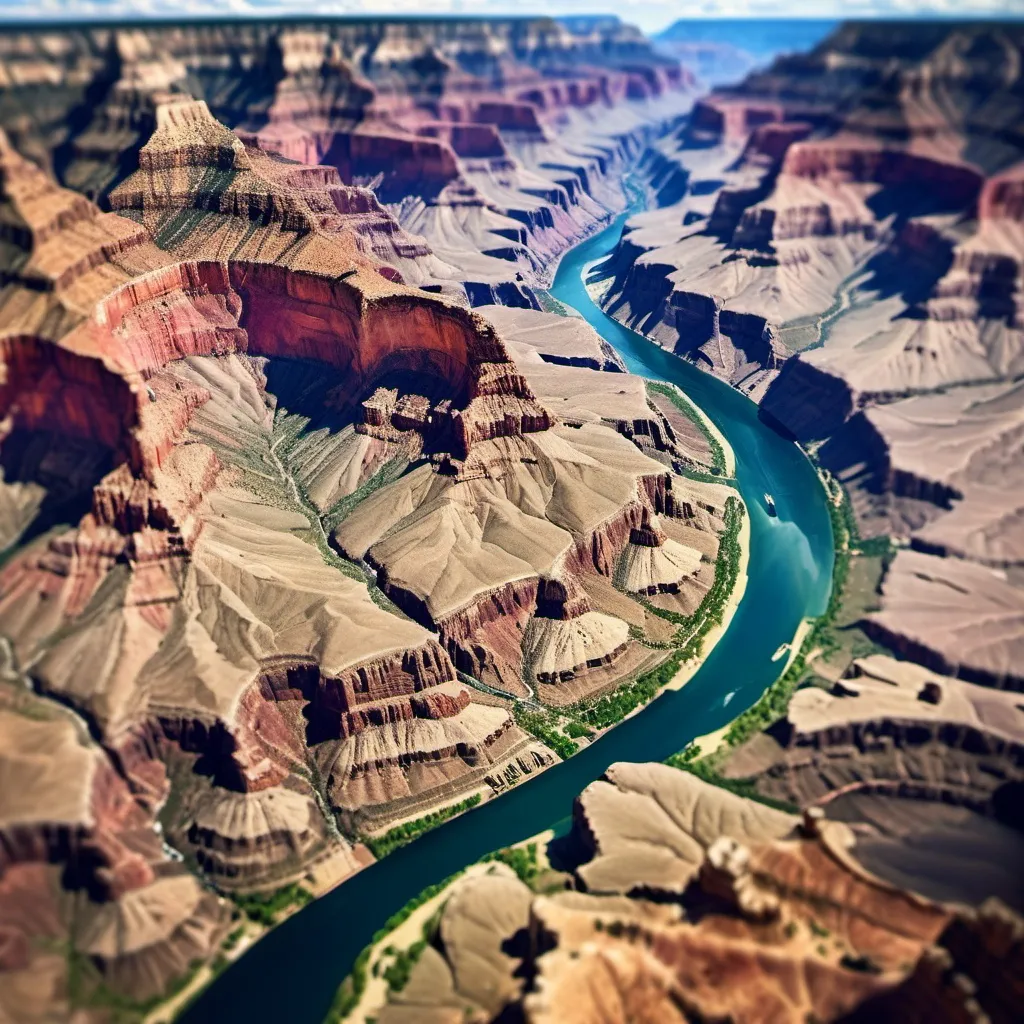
(292, 973)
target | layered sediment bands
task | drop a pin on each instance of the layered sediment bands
(152, 935)
(235, 837)
(653, 564)
(484, 639)
(727, 119)
(892, 729)
(849, 254)
(529, 126)
(144, 919)
(310, 293)
(566, 637)
(559, 650)
(371, 694)
(956, 186)
(408, 766)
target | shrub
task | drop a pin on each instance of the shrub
(522, 860)
(675, 396)
(407, 832)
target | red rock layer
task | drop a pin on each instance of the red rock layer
(396, 688)
(340, 313)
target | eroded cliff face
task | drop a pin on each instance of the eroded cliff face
(501, 143)
(681, 902)
(286, 531)
(895, 730)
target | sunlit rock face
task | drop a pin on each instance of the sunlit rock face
(500, 142)
(692, 903)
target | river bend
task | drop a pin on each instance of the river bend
(292, 973)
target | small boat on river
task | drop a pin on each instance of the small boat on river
(769, 504)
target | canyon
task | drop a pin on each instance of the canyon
(839, 237)
(323, 518)
(825, 238)
(675, 900)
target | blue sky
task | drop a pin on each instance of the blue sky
(651, 15)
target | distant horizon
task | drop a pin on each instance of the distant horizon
(652, 16)
(130, 15)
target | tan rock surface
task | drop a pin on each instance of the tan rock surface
(785, 926)
(648, 826)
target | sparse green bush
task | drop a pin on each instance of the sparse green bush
(263, 907)
(538, 724)
(381, 846)
(775, 700)
(397, 973)
(690, 412)
(350, 991)
(521, 859)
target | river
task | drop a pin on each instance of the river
(292, 973)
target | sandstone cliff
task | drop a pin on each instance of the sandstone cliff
(501, 143)
(231, 425)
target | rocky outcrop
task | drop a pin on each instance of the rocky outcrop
(692, 902)
(968, 975)
(462, 132)
(566, 637)
(65, 804)
(893, 729)
(652, 563)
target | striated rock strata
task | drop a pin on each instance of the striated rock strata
(500, 142)
(282, 530)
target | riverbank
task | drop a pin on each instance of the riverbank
(400, 945)
(711, 742)
(691, 668)
(387, 948)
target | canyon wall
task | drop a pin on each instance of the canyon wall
(501, 145)
(847, 251)
(279, 512)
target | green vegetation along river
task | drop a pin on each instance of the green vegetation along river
(292, 973)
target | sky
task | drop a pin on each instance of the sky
(650, 15)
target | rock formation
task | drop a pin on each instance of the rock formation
(501, 144)
(692, 903)
(846, 248)
(925, 767)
